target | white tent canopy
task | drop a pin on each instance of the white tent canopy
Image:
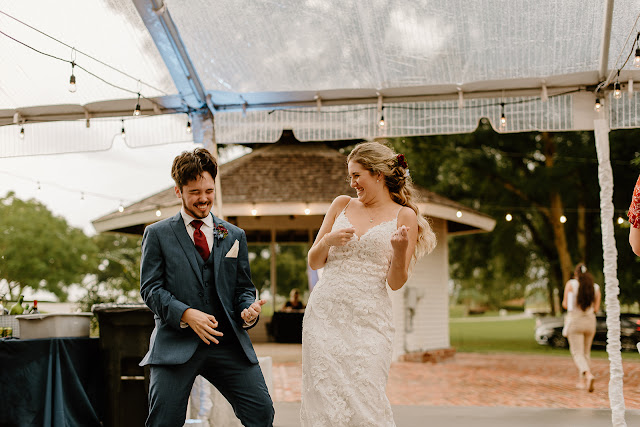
(421, 61)
(328, 69)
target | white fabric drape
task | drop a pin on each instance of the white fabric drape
(605, 177)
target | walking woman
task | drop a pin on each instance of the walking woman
(582, 300)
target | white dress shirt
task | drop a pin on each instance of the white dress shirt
(207, 227)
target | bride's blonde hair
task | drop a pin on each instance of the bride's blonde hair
(379, 158)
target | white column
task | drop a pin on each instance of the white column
(209, 141)
(612, 289)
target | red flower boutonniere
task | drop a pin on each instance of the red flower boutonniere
(220, 233)
(402, 161)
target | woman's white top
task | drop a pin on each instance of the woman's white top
(572, 296)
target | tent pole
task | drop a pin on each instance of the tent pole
(612, 289)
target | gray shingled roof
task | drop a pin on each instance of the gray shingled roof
(285, 171)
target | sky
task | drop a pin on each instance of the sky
(107, 179)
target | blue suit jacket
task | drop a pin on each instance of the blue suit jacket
(171, 281)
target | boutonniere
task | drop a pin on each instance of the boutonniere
(220, 233)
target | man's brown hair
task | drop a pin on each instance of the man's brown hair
(190, 165)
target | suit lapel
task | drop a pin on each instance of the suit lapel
(217, 251)
(177, 224)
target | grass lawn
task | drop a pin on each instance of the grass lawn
(501, 336)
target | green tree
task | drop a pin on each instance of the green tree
(116, 276)
(535, 177)
(39, 250)
(291, 268)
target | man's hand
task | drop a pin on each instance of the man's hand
(250, 313)
(202, 324)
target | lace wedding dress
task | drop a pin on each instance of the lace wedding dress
(347, 334)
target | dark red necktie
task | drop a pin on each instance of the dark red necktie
(200, 240)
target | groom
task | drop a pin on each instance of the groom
(195, 278)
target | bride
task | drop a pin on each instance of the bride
(364, 244)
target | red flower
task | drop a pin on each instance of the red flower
(402, 161)
(220, 233)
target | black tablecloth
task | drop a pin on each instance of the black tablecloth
(51, 382)
(286, 326)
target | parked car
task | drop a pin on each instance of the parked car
(549, 332)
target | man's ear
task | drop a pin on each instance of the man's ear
(178, 193)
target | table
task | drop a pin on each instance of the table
(50, 382)
(286, 326)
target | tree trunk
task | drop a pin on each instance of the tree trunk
(582, 232)
(554, 214)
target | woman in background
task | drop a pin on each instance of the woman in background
(634, 219)
(582, 299)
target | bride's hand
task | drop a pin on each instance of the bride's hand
(400, 239)
(339, 237)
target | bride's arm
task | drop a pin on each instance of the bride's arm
(318, 253)
(403, 242)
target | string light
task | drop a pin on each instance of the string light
(503, 119)
(307, 211)
(72, 79)
(122, 132)
(254, 211)
(22, 132)
(597, 106)
(158, 213)
(620, 220)
(188, 126)
(508, 217)
(381, 122)
(121, 208)
(136, 112)
(459, 214)
(617, 92)
(563, 219)
(636, 60)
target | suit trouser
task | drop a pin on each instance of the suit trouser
(226, 367)
(580, 333)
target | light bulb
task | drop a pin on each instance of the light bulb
(122, 132)
(72, 83)
(598, 105)
(620, 220)
(307, 211)
(158, 213)
(617, 93)
(22, 132)
(254, 212)
(381, 122)
(188, 127)
(636, 60)
(508, 217)
(39, 188)
(136, 112)
(459, 214)
(563, 219)
(120, 208)
(503, 121)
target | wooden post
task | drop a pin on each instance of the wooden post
(272, 270)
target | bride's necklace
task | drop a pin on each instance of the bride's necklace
(368, 213)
